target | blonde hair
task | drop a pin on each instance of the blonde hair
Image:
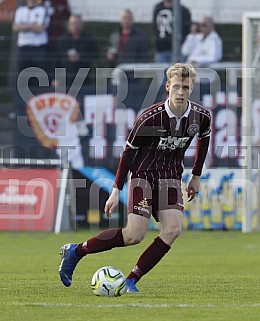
(182, 70)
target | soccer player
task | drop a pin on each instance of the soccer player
(154, 155)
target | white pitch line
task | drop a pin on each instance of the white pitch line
(136, 305)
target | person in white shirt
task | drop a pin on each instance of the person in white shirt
(210, 48)
(30, 23)
(191, 41)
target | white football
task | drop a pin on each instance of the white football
(108, 281)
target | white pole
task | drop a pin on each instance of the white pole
(63, 186)
(246, 122)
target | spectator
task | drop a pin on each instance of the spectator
(191, 41)
(76, 49)
(31, 23)
(163, 27)
(209, 49)
(59, 12)
(128, 44)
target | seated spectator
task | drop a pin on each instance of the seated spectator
(75, 50)
(128, 44)
(209, 49)
(191, 41)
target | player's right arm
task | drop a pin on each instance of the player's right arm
(112, 202)
(132, 145)
(121, 174)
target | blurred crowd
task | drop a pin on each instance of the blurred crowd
(50, 36)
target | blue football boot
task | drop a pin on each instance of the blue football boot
(69, 260)
(131, 287)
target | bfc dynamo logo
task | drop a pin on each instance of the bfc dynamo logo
(52, 117)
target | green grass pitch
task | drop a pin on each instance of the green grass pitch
(207, 276)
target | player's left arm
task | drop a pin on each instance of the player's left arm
(203, 143)
(202, 150)
(193, 187)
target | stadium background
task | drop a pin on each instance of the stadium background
(101, 18)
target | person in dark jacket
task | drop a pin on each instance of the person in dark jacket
(59, 12)
(76, 50)
(128, 44)
(163, 14)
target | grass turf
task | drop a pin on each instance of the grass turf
(207, 276)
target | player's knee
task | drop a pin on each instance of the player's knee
(133, 238)
(177, 231)
(172, 233)
(136, 238)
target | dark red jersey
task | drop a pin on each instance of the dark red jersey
(156, 146)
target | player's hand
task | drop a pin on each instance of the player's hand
(112, 202)
(193, 187)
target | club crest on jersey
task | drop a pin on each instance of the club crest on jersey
(193, 129)
(172, 142)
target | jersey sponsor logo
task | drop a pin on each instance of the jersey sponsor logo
(193, 129)
(172, 142)
(142, 206)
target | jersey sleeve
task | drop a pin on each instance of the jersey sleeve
(124, 166)
(135, 138)
(133, 143)
(203, 144)
(205, 128)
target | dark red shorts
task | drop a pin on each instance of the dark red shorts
(145, 200)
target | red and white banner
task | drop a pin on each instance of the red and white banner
(28, 199)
